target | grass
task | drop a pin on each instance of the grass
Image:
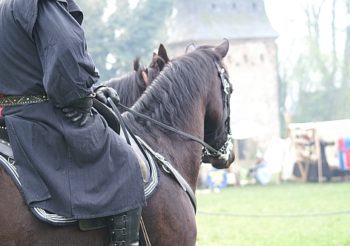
(222, 217)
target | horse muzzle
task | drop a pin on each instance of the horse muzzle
(221, 162)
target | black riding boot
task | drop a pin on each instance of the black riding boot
(124, 228)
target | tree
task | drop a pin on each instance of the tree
(322, 82)
(116, 38)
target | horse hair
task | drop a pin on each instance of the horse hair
(129, 86)
(161, 100)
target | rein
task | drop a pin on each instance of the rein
(172, 129)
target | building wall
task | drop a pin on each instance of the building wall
(252, 65)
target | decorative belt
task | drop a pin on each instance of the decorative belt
(21, 100)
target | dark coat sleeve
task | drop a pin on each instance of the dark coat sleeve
(68, 70)
(25, 13)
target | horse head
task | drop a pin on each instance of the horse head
(131, 85)
(217, 132)
(145, 75)
(159, 60)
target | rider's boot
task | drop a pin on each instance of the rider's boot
(124, 228)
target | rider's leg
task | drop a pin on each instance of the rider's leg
(124, 228)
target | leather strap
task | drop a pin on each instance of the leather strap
(169, 128)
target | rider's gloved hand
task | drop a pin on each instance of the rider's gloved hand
(103, 92)
(79, 110)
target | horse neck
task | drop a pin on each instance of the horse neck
(183, 154)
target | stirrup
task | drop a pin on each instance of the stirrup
(124, 228)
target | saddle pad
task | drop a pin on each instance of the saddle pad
(7, 162)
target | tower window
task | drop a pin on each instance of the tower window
(254, 5)
(213, 6)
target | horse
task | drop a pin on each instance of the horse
(133, 84)
(188, 95)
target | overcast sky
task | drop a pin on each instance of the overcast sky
(288, 19)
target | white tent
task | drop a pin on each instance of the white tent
(326, 131)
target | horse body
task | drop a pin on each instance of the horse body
(187, 96)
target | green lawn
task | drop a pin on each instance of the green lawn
(275, 215)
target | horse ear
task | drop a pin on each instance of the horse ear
(191, 47)
(162, 53)
(137, 64)
(161, 64)
(222, 49)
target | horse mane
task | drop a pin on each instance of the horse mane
(173, 93)
(129, 86)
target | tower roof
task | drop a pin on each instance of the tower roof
(217, 19)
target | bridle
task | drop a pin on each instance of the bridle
(226, 90)
(208, 152)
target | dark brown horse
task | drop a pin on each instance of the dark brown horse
(131, 86)
(188, 95)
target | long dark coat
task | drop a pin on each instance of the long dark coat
(83, 172)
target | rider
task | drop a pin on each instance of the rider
(69, 161)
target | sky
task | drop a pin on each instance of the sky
(288, 19)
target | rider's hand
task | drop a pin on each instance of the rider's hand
(79, 110)
(103, 92)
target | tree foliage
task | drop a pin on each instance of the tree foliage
(116, 38)
(321, 74)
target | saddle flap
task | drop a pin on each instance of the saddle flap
(143, 160)
(5, 149)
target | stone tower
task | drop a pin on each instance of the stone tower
(252, 59)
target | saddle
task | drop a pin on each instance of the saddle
(115, 124)
(147, 164)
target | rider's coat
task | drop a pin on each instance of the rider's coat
(74, 171)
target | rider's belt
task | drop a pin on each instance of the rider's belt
(21, 100)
